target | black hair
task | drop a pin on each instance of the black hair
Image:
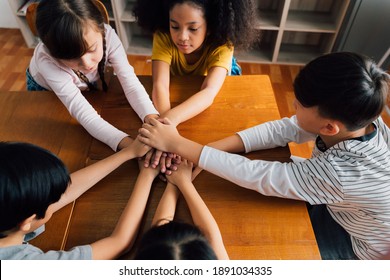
(345, 86)
(230, 22)
(174, 241)
(31, 178)
(61, 24)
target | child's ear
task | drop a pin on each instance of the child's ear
(330, 129)
(26, 224)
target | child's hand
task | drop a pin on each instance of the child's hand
(125, 142)
(174, 161)
(146, 171)
(154, 157)
(167, 161)
(196, 172)
(151, 116)
(182, 174)
(159, 135)
(170, 163)
(137, 148)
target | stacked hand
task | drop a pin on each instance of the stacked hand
(155, 158)
(163, 135)
(182, 175)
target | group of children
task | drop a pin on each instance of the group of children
(339, 99)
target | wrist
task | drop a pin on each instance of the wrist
(151, 116)
(173, 120)
(125, 142)
(177, 145)
(149, 173)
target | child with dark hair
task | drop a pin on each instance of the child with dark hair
(339, 99)
(173, 240)
(34, 184)
(75, 47)
(194, 37)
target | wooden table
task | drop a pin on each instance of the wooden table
(253, 226)
(41, 119)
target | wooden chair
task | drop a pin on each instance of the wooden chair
(32, 11)
(30, 17)
(102, 10)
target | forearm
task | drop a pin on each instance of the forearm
(274, 134)
(125, 142)
(270, 178)
(186, 148)
(201, 100)
(161, 81)
(125, 232)
(128, 224)
(160, 97)
(167, 206)
(231, 144)
(203, 218)
(134, 91)
(191, 107)
(83, 179)
(165, 137)
(91, 121)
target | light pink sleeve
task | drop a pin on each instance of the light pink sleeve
(53, 76)
(134, 90)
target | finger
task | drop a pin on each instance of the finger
(143, 139)
(147, 125)
(168, 162)
(163, 167)
(166, 121)
(162, 177)
(157, 156)
(148, 156)
(155, 122)
(177, 160)
(173, 167)
(144, 131)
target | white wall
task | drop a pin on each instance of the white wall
(7, 18)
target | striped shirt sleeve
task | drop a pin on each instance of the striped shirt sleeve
(313, 181)
(274, 134)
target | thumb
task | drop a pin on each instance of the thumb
(166, 121)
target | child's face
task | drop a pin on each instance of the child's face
(308, 117)
(90, 60)
(188, 27)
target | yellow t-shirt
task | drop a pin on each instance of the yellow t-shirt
(165, 50)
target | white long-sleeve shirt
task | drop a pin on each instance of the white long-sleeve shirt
(55, 76)
(352, 178)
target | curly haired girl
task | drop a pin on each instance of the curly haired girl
(194, 37)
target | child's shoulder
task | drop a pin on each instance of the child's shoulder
(383, 129)
(109, 32)
(162, 36)
(162, 41)
(380, 123)
(19, 252)
(29, 252)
